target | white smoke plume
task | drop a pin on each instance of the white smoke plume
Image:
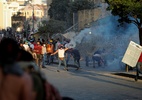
(106, 34)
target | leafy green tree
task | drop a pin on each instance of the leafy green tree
(81, 5)
(63, 9)
(129, 11)
(52, 26)
(58, 9)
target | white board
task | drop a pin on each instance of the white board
(132, 54)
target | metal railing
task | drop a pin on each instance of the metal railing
(72, 28)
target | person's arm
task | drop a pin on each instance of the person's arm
(66, 49)
(54, 52)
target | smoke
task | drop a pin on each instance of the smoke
(106, 34)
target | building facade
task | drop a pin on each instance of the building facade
(20, 2)
(5, 15)
(34, 14)
(85, 17)
(14, 6)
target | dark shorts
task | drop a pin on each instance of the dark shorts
(39, 56)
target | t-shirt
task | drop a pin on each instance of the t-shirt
(38, 49)
(61, 53)
(26, 47)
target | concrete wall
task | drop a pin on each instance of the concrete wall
(85, 17)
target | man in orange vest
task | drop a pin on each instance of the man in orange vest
(50, 50)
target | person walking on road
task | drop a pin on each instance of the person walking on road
(43, 54)
(76, 55)
(38, 51)
(61, 57)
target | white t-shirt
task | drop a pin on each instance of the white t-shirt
(61, 53)
(43, 50)
(26, 47)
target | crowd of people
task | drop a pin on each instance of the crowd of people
(21, 60)
(45, 52)
(20, 76)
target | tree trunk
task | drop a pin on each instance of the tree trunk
(140, 35)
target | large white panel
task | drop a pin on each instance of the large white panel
(132, 54)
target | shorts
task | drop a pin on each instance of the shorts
(39, 56)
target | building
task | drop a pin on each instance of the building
(34, 13)
(5, 15)
(85, 17)
(36, 1)
(20, 2)
(14, 6)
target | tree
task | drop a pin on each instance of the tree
(52, 26)
(59, 10)
(129, 11)
(63, 9)
(82, 5)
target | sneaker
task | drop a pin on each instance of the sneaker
(58, 71)
(43, 67)
(77, 68)
(66, 69)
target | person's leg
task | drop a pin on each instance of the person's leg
(48, 58)
(67, 58)
(64, 61)
(43, 60)
(40, 60)
(93, 63)
(58, 68)
(137, 72)
(51, 59)
(75, 62)
(87, 60)
(78, 63)
(37, 62)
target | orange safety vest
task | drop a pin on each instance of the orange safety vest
(49, 48)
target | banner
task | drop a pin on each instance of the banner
(132, 54)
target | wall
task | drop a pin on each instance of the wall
(85, 17)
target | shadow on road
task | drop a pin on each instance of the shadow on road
(97, 77)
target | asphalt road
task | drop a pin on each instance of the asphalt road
(93, 84)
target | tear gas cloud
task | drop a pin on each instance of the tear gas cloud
(106, 34)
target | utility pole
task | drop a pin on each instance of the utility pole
(33, 18)
(73, 18)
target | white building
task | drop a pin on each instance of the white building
(5, 15)
(14, 6)
(36, 1)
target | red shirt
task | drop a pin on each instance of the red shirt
(38, 49)
(140, 58)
